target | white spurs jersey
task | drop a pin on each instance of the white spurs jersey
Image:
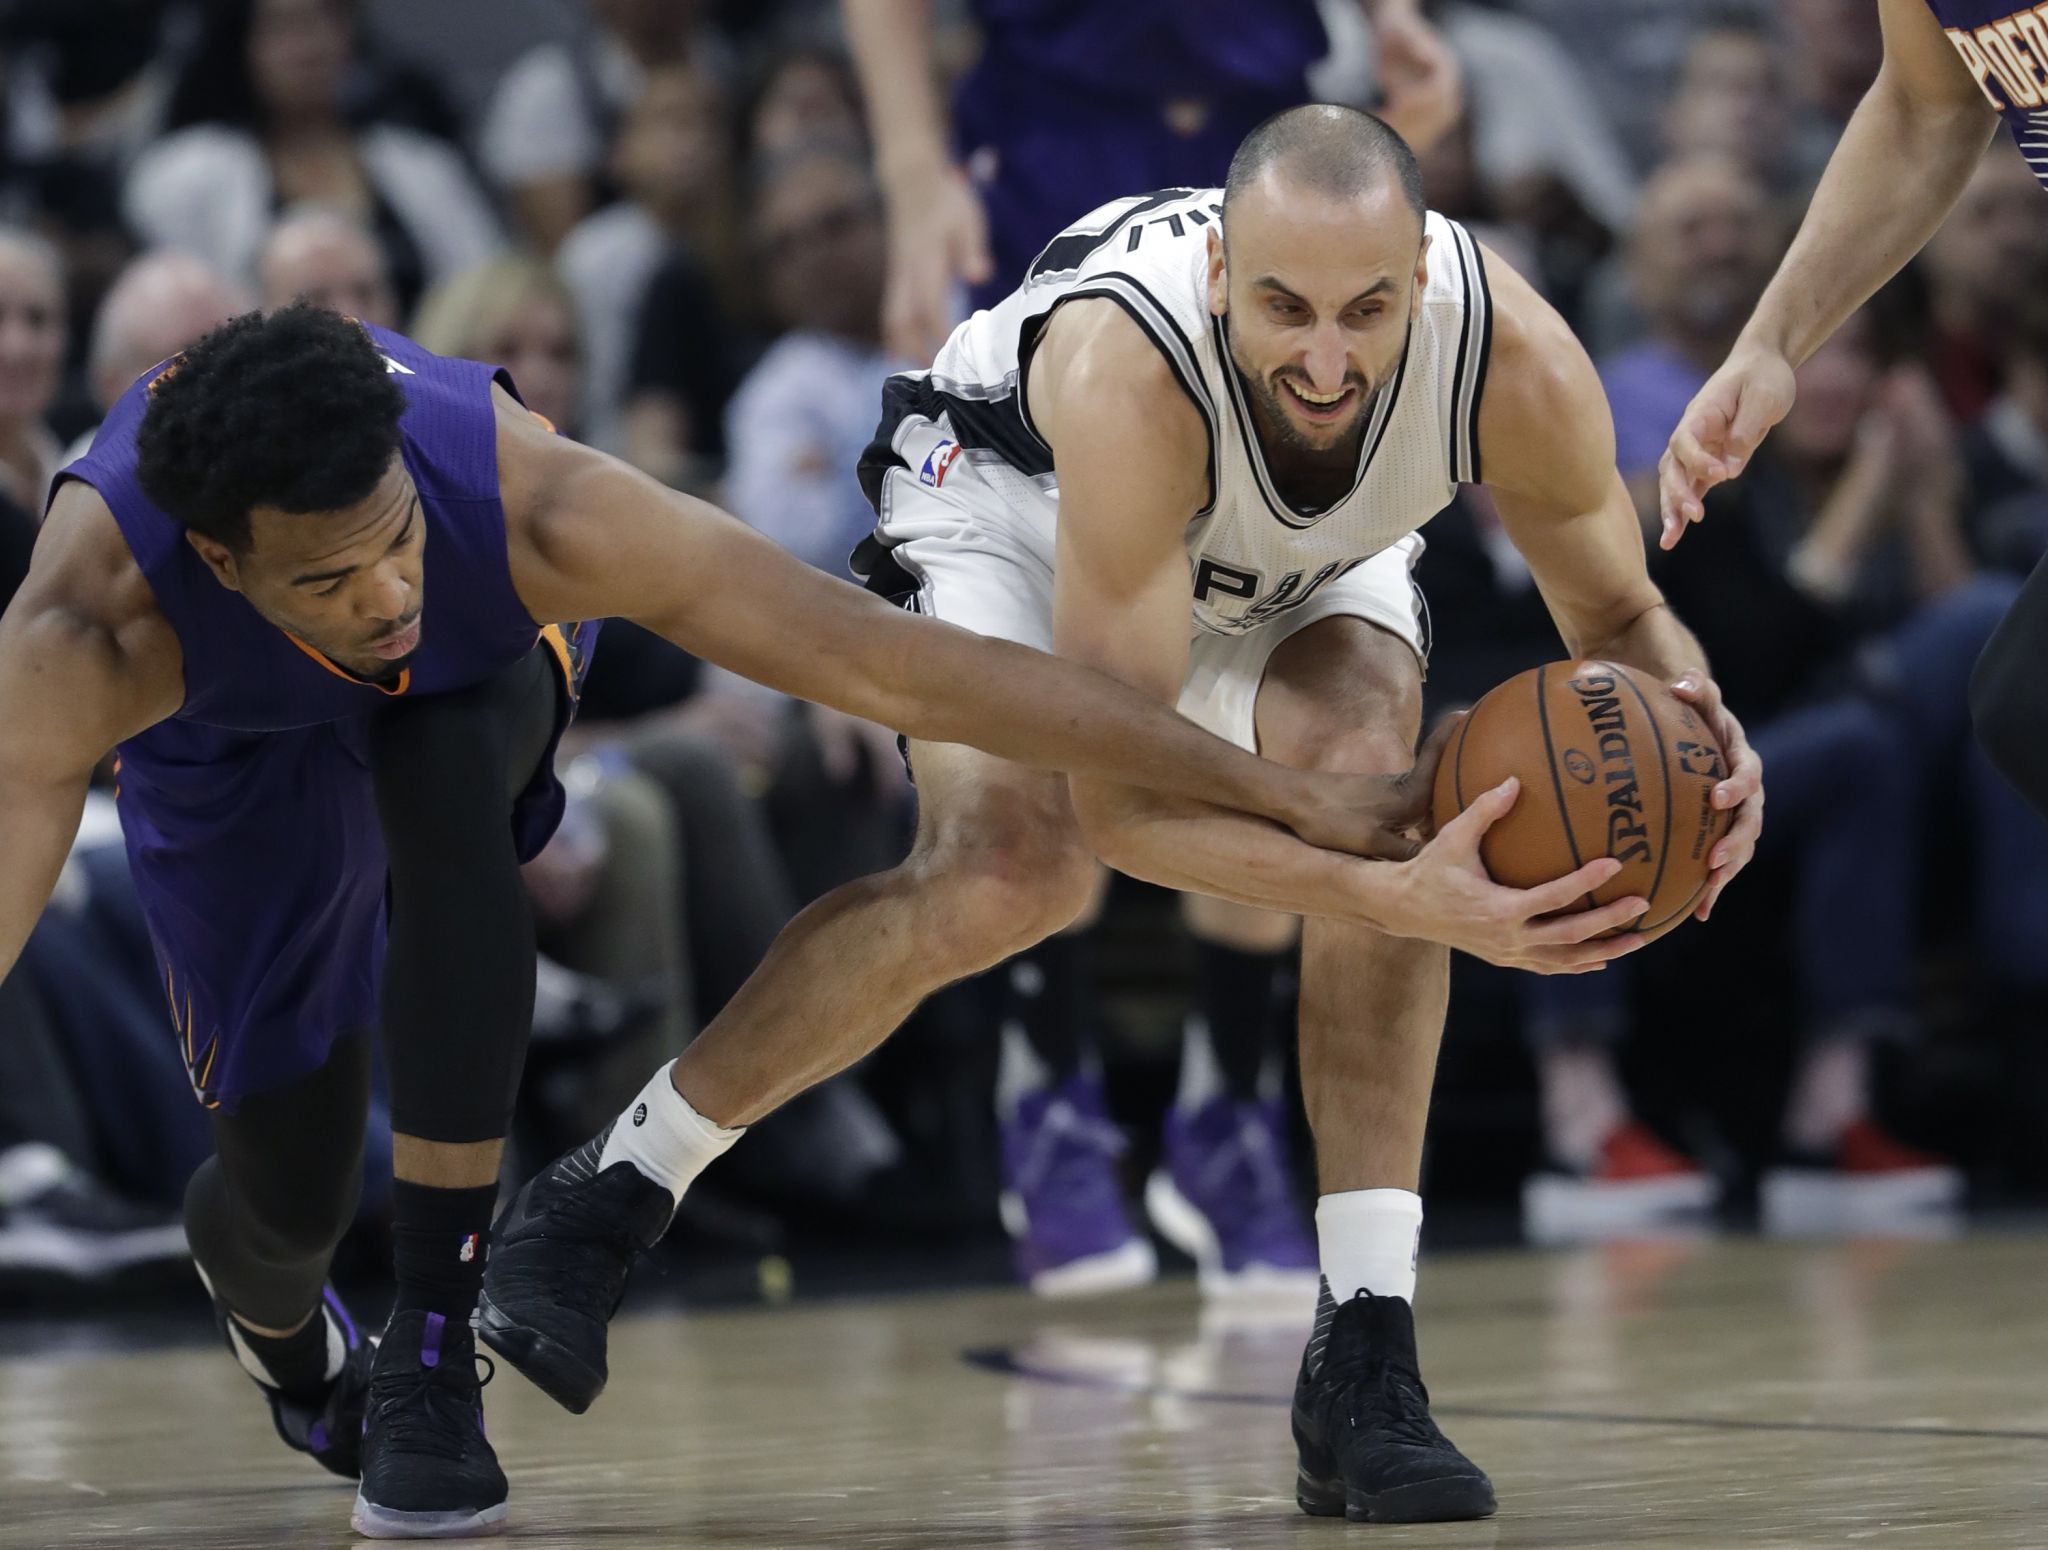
(1251, 555)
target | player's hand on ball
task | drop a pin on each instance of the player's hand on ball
(1385, 817)
(1721, 429)
(1742, 791)
(1447, 897)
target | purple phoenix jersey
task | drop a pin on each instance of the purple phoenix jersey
(1077, 102)
(2006, 52)
(249, 816)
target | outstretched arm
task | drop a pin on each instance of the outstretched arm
(85, 660)
(937, 230)
(592, 538)
(1909, 148)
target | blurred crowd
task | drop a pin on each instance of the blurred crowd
(667, 220)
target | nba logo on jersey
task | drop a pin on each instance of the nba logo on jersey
(468, 1250)
(936, 462)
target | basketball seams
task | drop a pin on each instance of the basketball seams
(1664, 768)
(1564, 812)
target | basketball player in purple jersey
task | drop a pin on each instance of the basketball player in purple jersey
(1070, 106)
(312, 582)
(1952, 69)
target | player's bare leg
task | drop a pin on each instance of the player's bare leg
(1343, 694)
(998, 865)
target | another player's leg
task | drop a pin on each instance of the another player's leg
(2009, 692)
(1605, 1172)
(457, 1009)
(1343, 694)
(263, 1216)
(998, 865)
(1225, 1188)
(1062, 1201)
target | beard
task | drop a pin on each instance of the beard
(1272, 398)
(1270, 401)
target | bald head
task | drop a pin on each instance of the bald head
(321, 257)
(157, 306)
(1335, 152)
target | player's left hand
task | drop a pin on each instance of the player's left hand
(1421, 84)
(1385, 817)
(1742, 790)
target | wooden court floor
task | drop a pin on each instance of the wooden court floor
(1717, 1394)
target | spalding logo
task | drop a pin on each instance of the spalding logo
(1578, 766)
(1628, 837)
(639, 1114)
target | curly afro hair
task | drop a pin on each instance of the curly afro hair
(293, 409)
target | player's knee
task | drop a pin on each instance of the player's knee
(1010, 884)
(276, 1228)
(465, 741)
(413, 740)
(1358, 750)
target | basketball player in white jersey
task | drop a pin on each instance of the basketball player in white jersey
(1200, 465)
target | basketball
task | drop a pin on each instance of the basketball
(1612, 763)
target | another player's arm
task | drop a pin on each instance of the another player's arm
(592, 537)
(85, 661)
(1133, 461)
(937, 231)
(1546, 440)
(1900, 165)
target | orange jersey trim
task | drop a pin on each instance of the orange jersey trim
(404, 675)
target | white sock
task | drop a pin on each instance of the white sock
(1368, 1241)
(666, 1139)
(1582, 1103)
(1201, 1074)
(1019, 1070)
(1831, 1091)
(252, 1364)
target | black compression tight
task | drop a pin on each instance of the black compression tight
(265, 1211)
(458, 974)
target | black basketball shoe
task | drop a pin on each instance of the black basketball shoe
(428, 1469)
(1368, 1448)
(329, 1427)
(560, 1256)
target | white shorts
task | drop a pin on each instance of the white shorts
(976, 549)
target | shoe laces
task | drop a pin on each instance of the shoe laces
(1068, 1152)
(1376, 1394)
(432, 1410)
(600, 1248)
(1253, 1155)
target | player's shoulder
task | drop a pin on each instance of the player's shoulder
(1094, 346)
(1459, 265)
(87, 600)
(1099, 379)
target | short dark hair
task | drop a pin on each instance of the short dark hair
(294, 409)
(1327, 149)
